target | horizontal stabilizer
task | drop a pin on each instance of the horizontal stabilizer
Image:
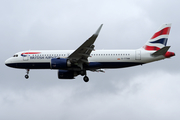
(162, 51)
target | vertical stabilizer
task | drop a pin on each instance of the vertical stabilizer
(159, 39)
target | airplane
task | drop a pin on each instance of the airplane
(71, 63)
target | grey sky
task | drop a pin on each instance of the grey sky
(143, 92)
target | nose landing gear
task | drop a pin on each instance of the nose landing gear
(27, 76)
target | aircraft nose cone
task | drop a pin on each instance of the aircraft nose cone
(9, 63)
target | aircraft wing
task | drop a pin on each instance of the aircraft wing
(81, 54)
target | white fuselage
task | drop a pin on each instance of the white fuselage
(108, 58)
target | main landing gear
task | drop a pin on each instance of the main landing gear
(27, 76)
(83, 73)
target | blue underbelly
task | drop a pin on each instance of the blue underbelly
(92, 65)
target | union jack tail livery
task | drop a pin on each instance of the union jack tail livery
(159, 39)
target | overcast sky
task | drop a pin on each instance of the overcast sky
(148, 92)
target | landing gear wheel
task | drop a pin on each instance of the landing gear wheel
(26, 76)
(86, 79)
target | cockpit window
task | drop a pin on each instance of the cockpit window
(15, 55)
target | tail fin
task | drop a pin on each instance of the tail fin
(159, 39)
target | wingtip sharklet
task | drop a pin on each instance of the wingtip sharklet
(98, 30)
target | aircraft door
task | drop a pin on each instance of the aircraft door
(138, 55)
(26, 57)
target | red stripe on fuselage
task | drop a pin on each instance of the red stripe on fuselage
(31, 53)
(164, 31)
(146, 47)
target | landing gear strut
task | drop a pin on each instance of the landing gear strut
(27, 76)
(83, 73)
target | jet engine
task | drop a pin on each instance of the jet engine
(60, 63)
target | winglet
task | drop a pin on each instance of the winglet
(98, 30)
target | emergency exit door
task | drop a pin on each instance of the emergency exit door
(26, 57)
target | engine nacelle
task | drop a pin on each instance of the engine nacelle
(60, 63)
(66, 74)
